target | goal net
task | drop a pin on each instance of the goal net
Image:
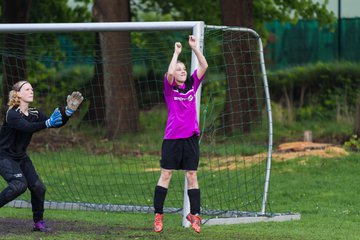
(107, 156)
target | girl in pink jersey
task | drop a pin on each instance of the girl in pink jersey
(180, 148)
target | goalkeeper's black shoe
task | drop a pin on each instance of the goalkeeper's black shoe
(40, 226)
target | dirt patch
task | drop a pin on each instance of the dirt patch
(301, 146)
(23, 227)
(326, 152)
(284, 152)
(54, 140)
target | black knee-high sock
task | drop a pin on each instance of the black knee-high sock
(194, 197)
(159, 199)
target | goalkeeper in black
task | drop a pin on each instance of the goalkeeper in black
(20, 122)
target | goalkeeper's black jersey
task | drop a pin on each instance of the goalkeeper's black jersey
(17, 130)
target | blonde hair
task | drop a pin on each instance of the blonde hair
(14, 99)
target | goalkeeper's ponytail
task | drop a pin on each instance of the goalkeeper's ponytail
(14, 99)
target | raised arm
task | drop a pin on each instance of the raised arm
(62, 114)
(172, 65)
(203, 65)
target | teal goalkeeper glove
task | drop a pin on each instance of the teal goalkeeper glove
(73, 102)
(55, 119)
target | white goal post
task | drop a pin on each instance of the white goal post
(197, 28)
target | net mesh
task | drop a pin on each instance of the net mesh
(108, 153)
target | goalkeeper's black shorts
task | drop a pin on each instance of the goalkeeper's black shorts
(181, 153)
(21, 170)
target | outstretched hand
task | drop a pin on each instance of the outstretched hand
(73, 102)
(192, 41)
(55, 119)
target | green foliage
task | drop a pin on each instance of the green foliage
(353, 144)
(290, 11)
(151, 54)
(57, 11)
(321, 91)
(286, 11)
(60, 11)
(74, 77)
(209, 11)
(327, 131)
(212, 100)
(52, 87)
(149, 83)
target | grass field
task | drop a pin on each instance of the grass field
(324, 191)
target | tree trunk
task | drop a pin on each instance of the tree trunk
(241, 107)
(357, 117)
(14, 61)
(122, 111)
(289, 104)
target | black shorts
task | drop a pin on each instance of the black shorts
(180, 153)
(23, 170)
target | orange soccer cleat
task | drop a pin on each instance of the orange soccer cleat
(195, 221)
(158, 222)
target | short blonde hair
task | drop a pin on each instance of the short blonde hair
(14, 99)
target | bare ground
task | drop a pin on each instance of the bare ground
(24, 227)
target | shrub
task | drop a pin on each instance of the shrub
(317, 90)
(353, 144)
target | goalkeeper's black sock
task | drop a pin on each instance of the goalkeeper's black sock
(37, 217)
(159, 199)
(194, 197)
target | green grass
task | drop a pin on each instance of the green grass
(324, 191)
(77, 176)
